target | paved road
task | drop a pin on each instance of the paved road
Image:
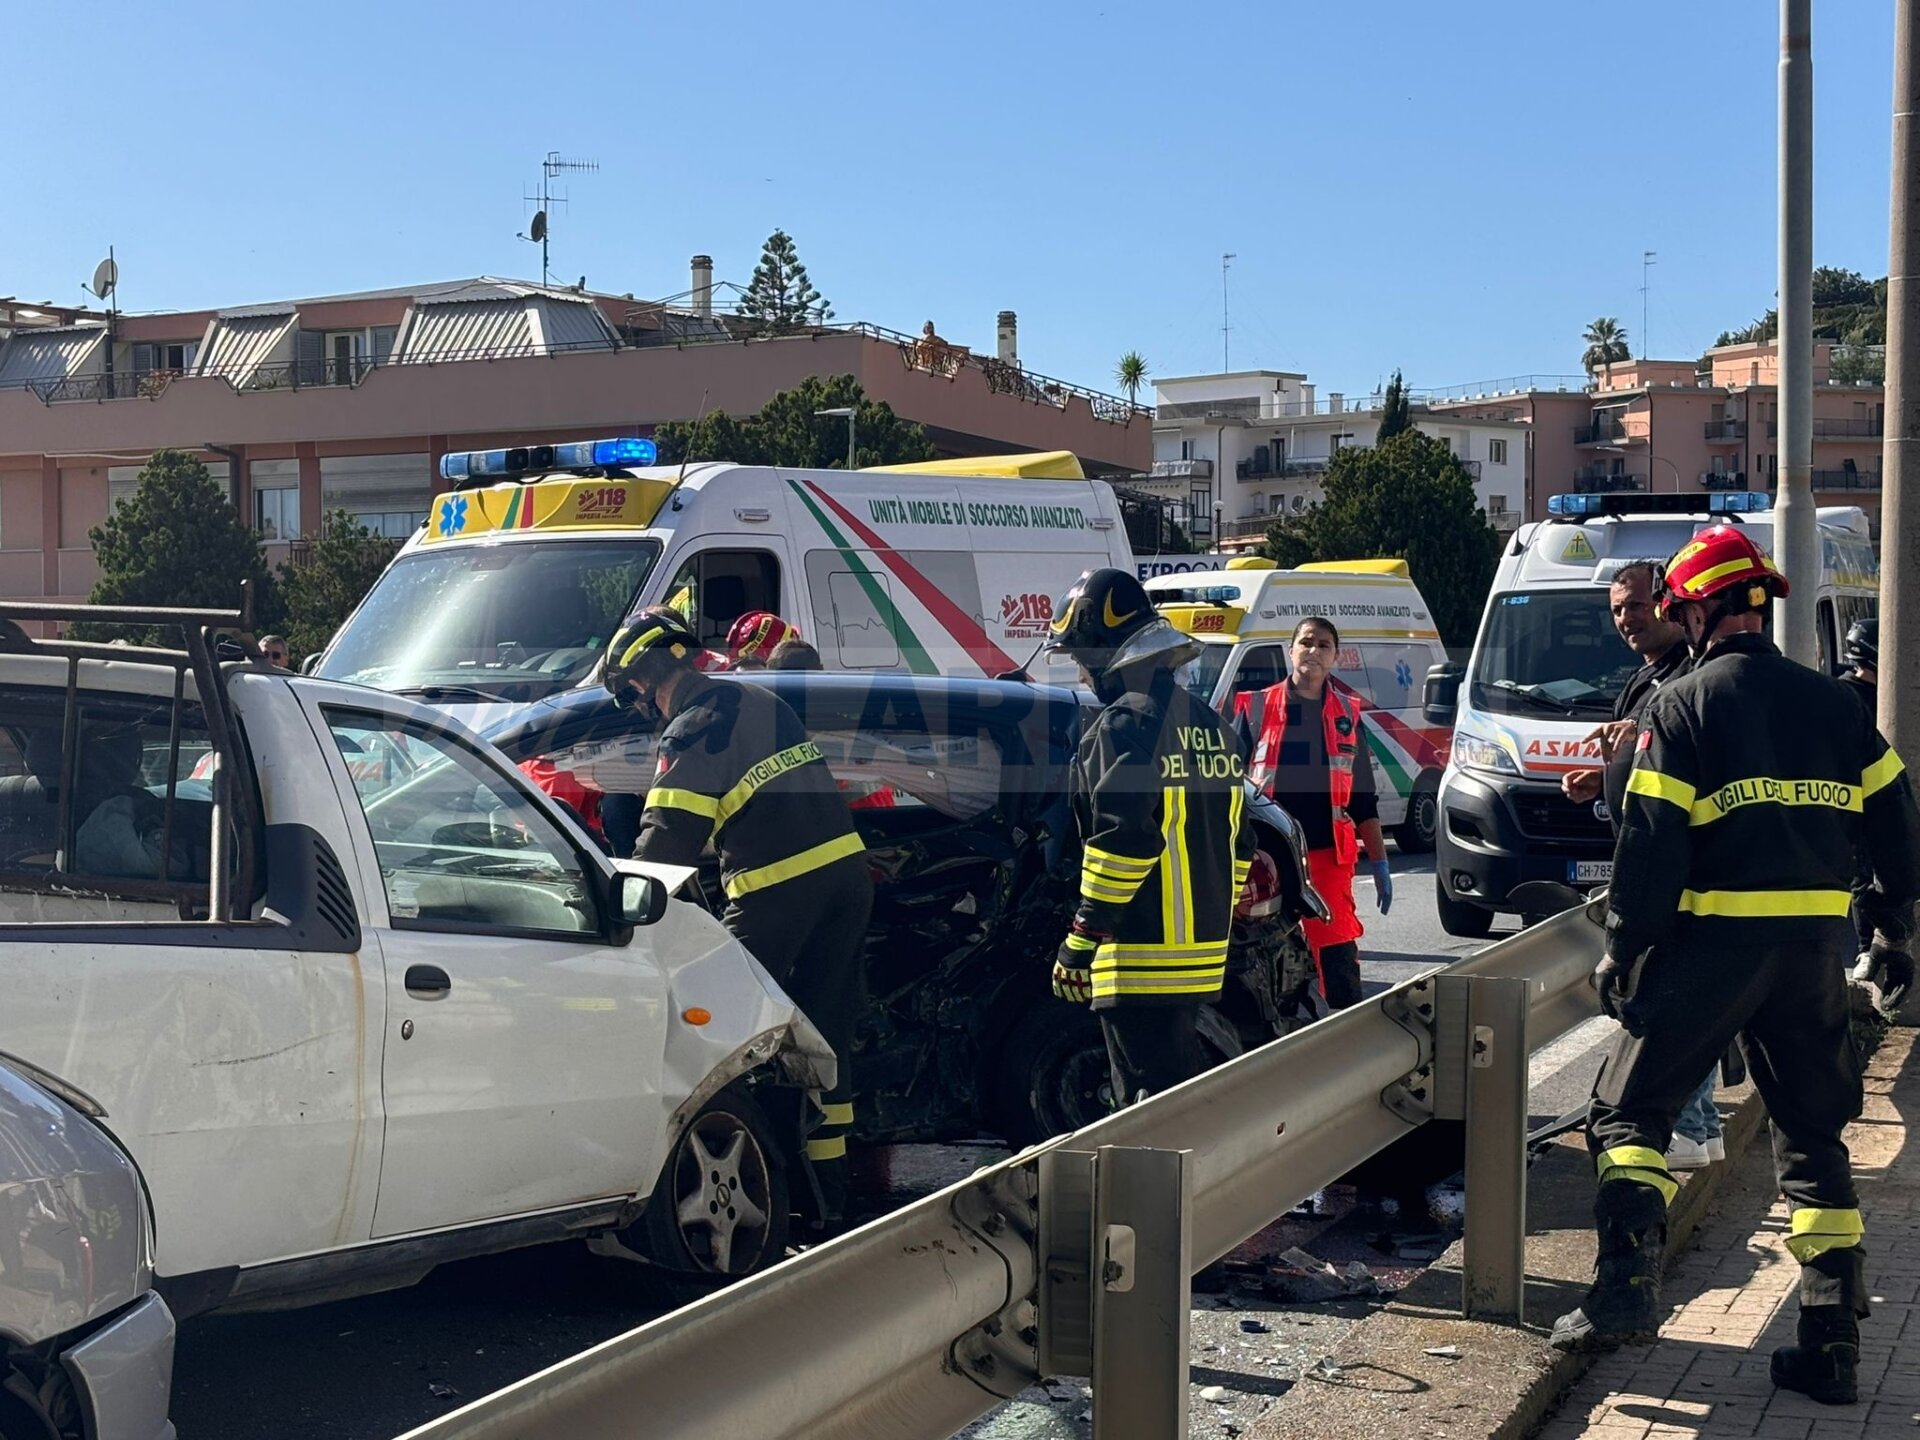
(372, 1368)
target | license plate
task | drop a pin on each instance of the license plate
(1589, 872)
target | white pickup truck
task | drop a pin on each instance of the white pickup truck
(356, 997)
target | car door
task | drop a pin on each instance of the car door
(522, 1057)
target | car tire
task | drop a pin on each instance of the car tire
(719, 1211)
(21, 1415)
(1461, 918)
(1417, 833)
(1051, 1076)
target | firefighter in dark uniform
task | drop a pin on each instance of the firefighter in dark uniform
(736, 768)
(1158, 799)
(1885, 961)
(1755, 783)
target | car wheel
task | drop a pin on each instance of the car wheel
(1415, 835)
(1458, 917)
(1051, 1076)
(22, 1417)
(719, 1210)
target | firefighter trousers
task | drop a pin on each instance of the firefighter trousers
(1788, 1006)
(1151, 1047)
(808, 934)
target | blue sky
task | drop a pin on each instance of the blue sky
(1451, 189)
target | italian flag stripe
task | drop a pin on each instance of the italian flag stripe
(918, 660)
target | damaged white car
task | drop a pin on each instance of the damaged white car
(358, 997)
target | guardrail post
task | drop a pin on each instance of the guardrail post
(1116, 1252)
(1480, 1048)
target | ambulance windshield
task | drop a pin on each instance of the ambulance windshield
(1551, 653)
(491, 622)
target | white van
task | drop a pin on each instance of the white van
(522, 571)
(1546, 669)
(1244, 615)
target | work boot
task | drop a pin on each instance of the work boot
(1823, 1365)
(1622, 1306)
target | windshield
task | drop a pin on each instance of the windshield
(1551, 652)
(511, 621)
(1200, 676)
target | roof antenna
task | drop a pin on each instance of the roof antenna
(687, 454)
(537, 232)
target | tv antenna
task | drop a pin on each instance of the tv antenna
(1646, 259)
(1226, 327)
(537, 232)
(106, 279)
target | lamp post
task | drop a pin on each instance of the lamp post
(1651, 457)
(842, 412)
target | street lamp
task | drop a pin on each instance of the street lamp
(1651, 457)
(842, 412)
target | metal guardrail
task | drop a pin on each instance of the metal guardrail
(1074, 1256)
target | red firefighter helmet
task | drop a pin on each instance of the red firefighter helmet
(754, 635)
(1713, 563)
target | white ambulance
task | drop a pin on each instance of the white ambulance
(521, 572)
(1244, 615)
(1546, 669)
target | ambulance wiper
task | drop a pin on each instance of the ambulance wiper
(1539, 696)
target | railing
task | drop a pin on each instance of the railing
(1508, 386)
(1720, 431)
(1249, 525)
(1855, 429)
(1723, 479)
(1073, 1258)
(309, 374)
(1209, 410)
(300, 552)
(1599, 432)
(1846, 479)
(1182, 470)
(120, 385)
(1591, 483)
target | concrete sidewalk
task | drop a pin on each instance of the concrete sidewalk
(1734, 1302)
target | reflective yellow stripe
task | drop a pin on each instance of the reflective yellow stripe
(1149, 954)
(1107, 986)
(646, 638)
(1656, 786)
(1176, 888)
(834, 1149)
(1077, 942)
(1638, 1163)
(748, 881)
(1882, 773)
(1765, 904)
(838, 1114)
(663, 797)
(1707, 577)
(1110, 866)
(1768, 790)
(1817, 1231)
(771, 768)
(1094, 888)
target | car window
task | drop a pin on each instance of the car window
(955, 774)
(141, 801)
(460, 846)
(717, 587)
(1263, 667)
(1392, 675)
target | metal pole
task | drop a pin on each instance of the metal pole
(1900, 464)
(850, 415)
(1142, 1254)
(1795, 536)
(1493, 1278)
(1226, 329)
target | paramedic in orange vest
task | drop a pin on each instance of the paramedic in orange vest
(1310, 754)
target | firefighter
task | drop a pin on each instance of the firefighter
(1885, 961)
(1309, 750)
(751, 639)
(1157, 797)
(736, 768)
(1755, 782)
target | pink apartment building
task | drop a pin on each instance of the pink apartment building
(347, 401)
(1671, 425)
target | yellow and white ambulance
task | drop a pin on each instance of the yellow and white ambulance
(1244, 615)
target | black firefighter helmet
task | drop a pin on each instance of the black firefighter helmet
(1863, 644)
(1107, 623)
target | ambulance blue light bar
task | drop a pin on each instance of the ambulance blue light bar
(1725, 502)
(524, 459)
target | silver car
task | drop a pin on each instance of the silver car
(86, 1346)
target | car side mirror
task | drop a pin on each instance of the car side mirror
(306, 665)
(1440, 698)
(639, 899)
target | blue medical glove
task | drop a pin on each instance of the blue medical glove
(1382, 885)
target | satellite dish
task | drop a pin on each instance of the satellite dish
(106, 275)
(537, 231)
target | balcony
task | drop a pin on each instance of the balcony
(1260, 469)
(1846, 479)
(1725, 432)
(1600, 432)
(315, 372)
(1214, 410)
(1723, 479)
(120, 385)
(1182, 470)
(1254, 527)
(1860, 428)
(1589, 480)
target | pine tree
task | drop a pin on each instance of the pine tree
(780, 298)
(178, 542)
(339, 572)
(1396, 414)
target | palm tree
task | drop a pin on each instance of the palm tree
(1131, 372)
(1606, 343)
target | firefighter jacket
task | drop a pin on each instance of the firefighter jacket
(736, 767)
(1158, 795)
(1755, 780)
(1333, 765)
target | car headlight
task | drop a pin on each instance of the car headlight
(1474, 752)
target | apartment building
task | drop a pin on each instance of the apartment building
(1233, 451)
(1678, 425)
(302, 407)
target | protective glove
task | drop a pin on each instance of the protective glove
(1382, 885)
(1073, 969)
(1889, 970)
(1612, 978)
